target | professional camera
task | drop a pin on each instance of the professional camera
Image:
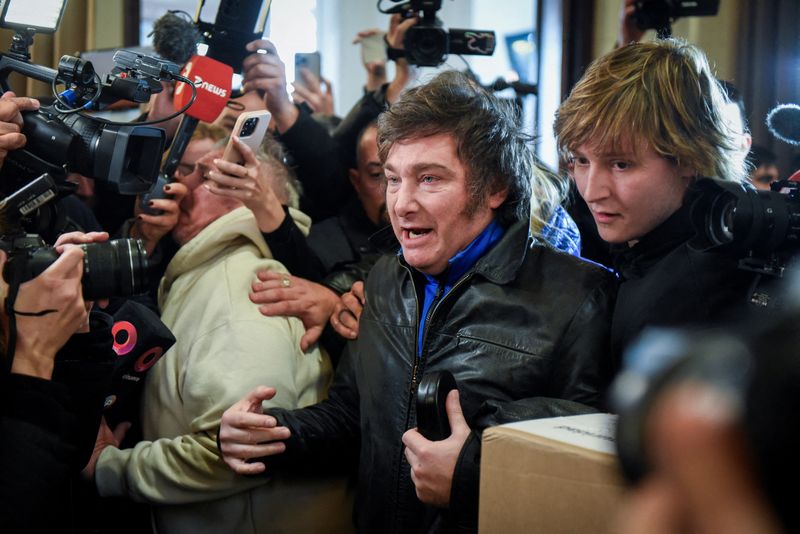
(660, 14)
(116, 268)
(761, 228)
(427, 43)
(60, 139)
(756, 369)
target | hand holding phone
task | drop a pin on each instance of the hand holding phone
(309, 61)
(250, 128)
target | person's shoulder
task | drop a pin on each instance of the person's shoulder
(564, 265)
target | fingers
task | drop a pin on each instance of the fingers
(69, 265)
(700, 448)
(458, 425)
(267, 275)
(311, 337)
(365, 33)
(120, 430)
(247, 153)
(262, 44)
(310, 80)
(358, 290)
(345, 331)
(254, 398)
(353, 304)
(306, 95)
(12, 141)
(79, 238)
(240, 467)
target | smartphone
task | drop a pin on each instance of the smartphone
(250, 127)
(310, 61)
(373, 49)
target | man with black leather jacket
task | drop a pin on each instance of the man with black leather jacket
(522, 327)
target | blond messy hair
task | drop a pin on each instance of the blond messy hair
(661, 93)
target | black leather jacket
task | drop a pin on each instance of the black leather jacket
(525, 332)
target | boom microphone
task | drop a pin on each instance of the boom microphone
(784, 123)
(175, 37)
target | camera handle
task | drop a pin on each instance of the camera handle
(179, 143)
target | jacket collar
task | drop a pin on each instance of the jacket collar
(631, 262)
(501, 262)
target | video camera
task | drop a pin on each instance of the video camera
(116, 268)
(762, 228)
(660, 14)
(60, 138)
(756, 370)
(427, 43)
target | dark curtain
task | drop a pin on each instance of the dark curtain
(768, 68)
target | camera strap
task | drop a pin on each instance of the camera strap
(393, 53)
(14, 281)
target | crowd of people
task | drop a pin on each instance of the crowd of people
(311, 285)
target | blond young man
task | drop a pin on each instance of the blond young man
(644, 122)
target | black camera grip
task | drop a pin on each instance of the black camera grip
(432, 421)
(155, 193)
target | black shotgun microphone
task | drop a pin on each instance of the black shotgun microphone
(784, 123)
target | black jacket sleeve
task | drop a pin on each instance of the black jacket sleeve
(290, 247)
(326, 436)
(318, 166)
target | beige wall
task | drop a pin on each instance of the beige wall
(109, 31)
(716, 35)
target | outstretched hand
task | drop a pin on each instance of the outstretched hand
(246, 432)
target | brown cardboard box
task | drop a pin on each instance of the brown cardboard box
(550, 476)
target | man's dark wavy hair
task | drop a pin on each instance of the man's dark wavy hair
(489, 140)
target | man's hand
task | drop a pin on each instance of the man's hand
(48, 310)
(79, 238)
(629, 32)
(245, 432)
(312, 93)
(284, 294)
(703, 479)
(250, 184)
(264, 71)
(152, 228)
(376, 70)
(433, 463)
(403, 73)
(105, 438)
(11, 108)
(347, 312)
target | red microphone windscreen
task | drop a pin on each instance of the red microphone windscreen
(213, 82)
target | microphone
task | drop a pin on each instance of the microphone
(213, 81)
(784, 123)
(175, 37)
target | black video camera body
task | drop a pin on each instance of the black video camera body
(660, 14)
(428, 43)
(113, 269)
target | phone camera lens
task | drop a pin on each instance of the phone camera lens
(249, 127)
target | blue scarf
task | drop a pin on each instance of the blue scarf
(458, 265)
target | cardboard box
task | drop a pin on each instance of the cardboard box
(550, 476)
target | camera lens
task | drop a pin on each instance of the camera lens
(249, 126)
(115, 268)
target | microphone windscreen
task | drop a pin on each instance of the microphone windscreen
(784, 123)
(175, 38)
